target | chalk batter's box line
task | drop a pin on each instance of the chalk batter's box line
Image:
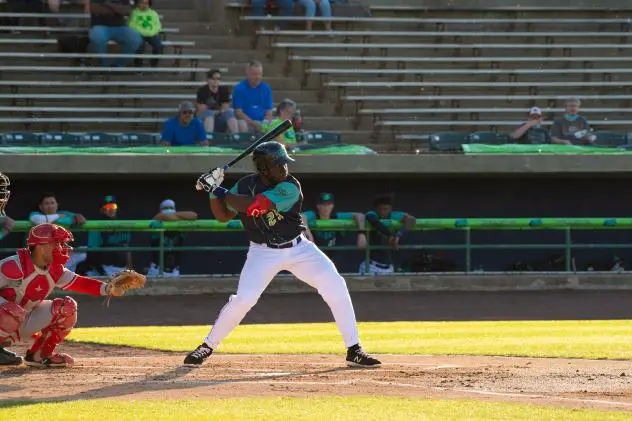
(296, 356)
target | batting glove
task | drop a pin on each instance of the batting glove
(211, 180)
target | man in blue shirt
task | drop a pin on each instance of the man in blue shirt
(325, 211)
(184, 129)
(252, 99)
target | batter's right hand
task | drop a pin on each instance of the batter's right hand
(211, 180)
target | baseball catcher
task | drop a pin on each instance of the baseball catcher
(27, 279)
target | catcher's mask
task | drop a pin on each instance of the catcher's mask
(52, 233)
(270, 154)
(4, 192)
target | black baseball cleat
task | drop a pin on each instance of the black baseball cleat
(198, 356)
(356, 357)
(9, 358)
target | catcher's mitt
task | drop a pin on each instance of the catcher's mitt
(118, 285)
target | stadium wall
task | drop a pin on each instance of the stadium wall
(445, 196)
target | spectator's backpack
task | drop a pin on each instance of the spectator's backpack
(351, 8)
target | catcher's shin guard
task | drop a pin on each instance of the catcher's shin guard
(64, 318)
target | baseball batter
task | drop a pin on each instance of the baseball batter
(269, 205)
(26, 280)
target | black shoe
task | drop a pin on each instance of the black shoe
(198, 356)
(9, 358)
(356, 357)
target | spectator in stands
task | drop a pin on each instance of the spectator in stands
(6, 226)
(146, 22)
(108, 23)
(286, 8)
(310, 11)
(325, 212)
(285, 111)
(184, 129)
(214, 106)
(532, 131)
(252, 98)
(108, 263)
(572, 127)
(382, 260)
(48, 211)
(53, 5)
(168, 213)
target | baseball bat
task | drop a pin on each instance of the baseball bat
(272, 134)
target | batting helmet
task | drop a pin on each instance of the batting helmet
(270, 153)
(52, 233)
(4, 192)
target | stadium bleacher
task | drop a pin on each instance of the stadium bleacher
(412, 70)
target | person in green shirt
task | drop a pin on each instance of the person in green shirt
(146, 21)
(285, 111)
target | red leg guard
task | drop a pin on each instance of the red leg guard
(11, 317)
(64, 318)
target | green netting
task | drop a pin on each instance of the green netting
(342, 225)
(540, 149)
(155, 150)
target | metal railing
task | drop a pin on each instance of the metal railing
(567, 225)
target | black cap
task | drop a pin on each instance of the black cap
(325, 198)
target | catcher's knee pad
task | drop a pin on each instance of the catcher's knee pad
(64, 313)
(11, 317)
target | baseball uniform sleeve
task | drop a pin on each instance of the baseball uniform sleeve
(347, 216)
(397, 216)
(284, 195)
(39, 218)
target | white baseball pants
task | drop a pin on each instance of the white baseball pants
(308, 264)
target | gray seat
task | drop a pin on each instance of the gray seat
(448, 141)
(59, 139)
(20, 139)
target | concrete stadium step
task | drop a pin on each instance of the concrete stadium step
(130, 99)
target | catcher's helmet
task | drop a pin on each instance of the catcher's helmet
(4, 192)
(52, 233)
(270, 153)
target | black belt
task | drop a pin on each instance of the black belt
(287, 245)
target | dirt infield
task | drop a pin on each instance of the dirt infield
(124, 373)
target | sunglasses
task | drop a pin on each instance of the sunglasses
(187, 112)
(109, 206)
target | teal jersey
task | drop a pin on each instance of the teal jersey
(326, 238)
(281, 225)
(377, 239)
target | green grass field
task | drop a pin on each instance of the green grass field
(570, 339)
(322, 408)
